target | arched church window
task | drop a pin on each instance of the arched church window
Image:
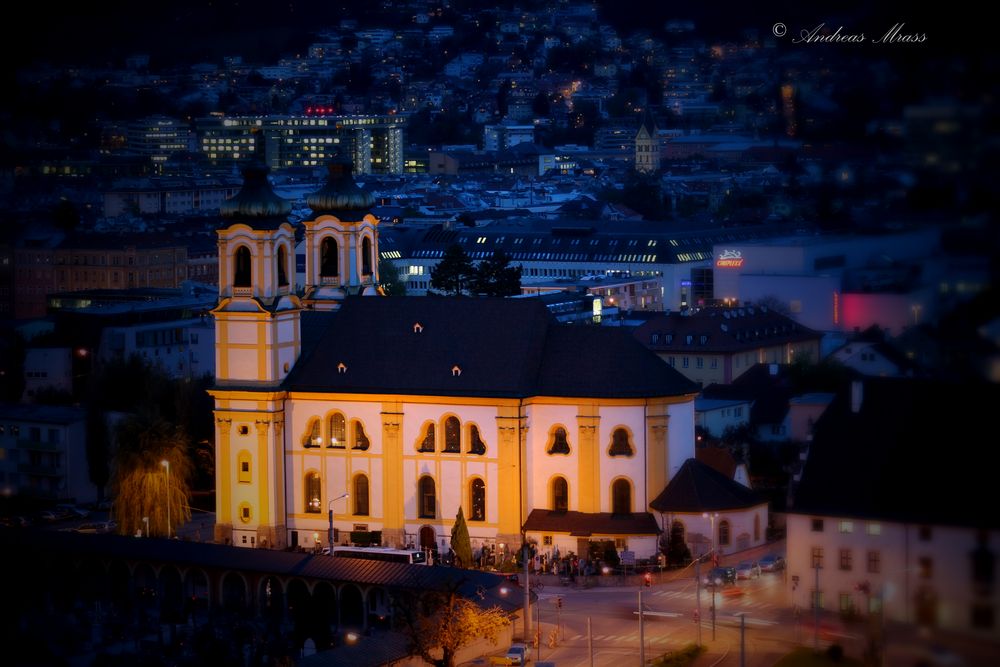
(558, 443)
(620, 445)
(241, 269)
(328, 257)
(282, 267)
(366, 256)
(338, 431)
(360, 439)
(476, 444)
(452, 435)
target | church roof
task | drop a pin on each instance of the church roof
(698, 487)
(340, 194)
(256, 203)
(585, 524)
(486, 347)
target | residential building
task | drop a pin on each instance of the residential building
(374, 143)
(159, 137)
(43, 453)
(167, 196)
(717, 345)
(915, 539)
(504, 137)
(391, 414)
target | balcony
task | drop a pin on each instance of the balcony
(329, 281)
(242, 291)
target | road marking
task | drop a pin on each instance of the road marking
(668, 614)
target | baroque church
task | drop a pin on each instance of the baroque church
(392, 413)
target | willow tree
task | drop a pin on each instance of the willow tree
(151, 473)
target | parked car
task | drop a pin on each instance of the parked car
(747, 569)
(772, 563)
(727, 575)
(51, 516)
(97, 527)
(518, 654)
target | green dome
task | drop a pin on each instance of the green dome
(255, 199)
(340, 193)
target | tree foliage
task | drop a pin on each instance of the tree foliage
(438, 624)
(461, 544)
(496, 277)
(389, 279)
(140, 481)
(454, 273)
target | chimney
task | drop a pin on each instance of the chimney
(857, 395)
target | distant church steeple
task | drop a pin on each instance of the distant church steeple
(341, 241)
(647, 145)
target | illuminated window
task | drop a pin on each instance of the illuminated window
(817, 557)
(560, 494)
(847, 526)
(452, 435)
(312, 436)
(620, 444)
(360, 495)
(338, 430)
(873, 528)
(476, 444)
(477, 500)
(621, 497)
(558, 444)
(427, 498)
(314, 498)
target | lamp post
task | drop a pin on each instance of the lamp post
(711, 518)
(166, 464)
(329, 534)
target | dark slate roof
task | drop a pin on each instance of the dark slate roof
(256, 202)
(917, 451)
(722, 330)
(585, 524)
(698, 487)
(30, 544)
(510, 348)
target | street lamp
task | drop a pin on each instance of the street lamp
(711, 518)
(166, 464)
(329, 534)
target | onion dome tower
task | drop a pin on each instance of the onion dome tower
(341, 241)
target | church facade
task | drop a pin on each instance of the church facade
(394, 412)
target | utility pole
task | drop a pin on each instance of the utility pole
(743, 645)
(816, 608)
(642, 639)
(697, 575)
(590, 642)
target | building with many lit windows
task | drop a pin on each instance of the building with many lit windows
(392, 413)
(159, 137)
(374, 143)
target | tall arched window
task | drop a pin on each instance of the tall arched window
(558, 443)
(476, 444)
(338, 430)
(314, 497)
(477, 500)
(366, 256)
(427, 442)
(328, 261)
(452, 435)
(427, 498)
(312, 437)
(723, 533)
(620, 445)
(241, 267)
(621, 497)
(360, 495)
(360, 439)
(282, 267)
(560, 494)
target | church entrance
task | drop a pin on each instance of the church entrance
(428, 539)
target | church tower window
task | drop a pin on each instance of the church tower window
(241, 274)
